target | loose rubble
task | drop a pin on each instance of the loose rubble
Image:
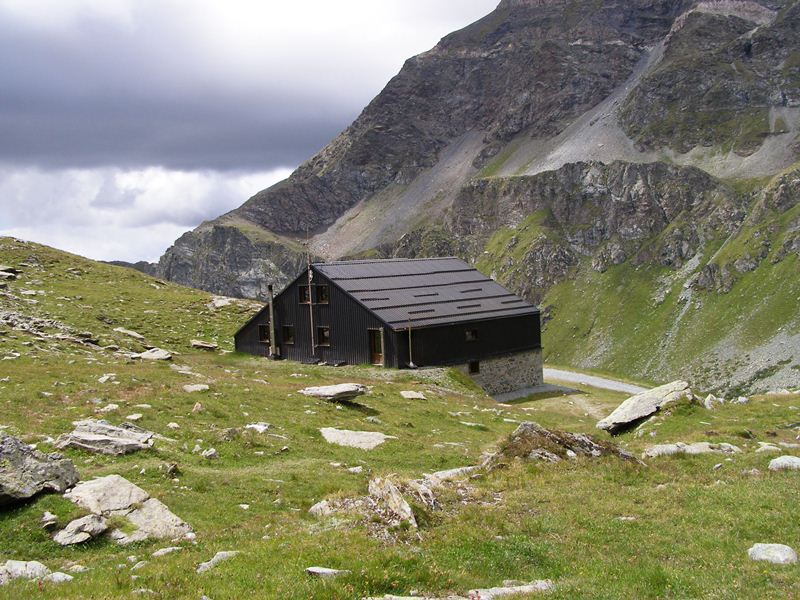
(25, 472)
(104, 438)
(639, 407)
(387, 494)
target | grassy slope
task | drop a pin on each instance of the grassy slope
(689, 540)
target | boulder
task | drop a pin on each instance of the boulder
(218, 558)
(81, 530)
(643, 405)
(321, 509)
(57, 577)
(544, 585)
(165, 551)
(365, 440)
(25, 472)
(530, 441)
(258, 427)
(201, 345)
(387, 494)
(22, 569)
(784, 463)
(154, 354)
(115, 496)
(49, 520)
(410, 395)
(777, 554)
(439, 477)
(711, 401)
(342, 391)
(696, 448)
(104, 438)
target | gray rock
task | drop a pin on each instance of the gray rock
(114, 495)
(154, 354)
(544, 585)
(78, 569)
(439, 477)
(25, 472)
(696, 448)
(711, 402)
(784, 463)
(641, 406)
(341, 391)
(321, 509)
(325, 573)
(129, 333)
(210, 454)
(58, 577)
(195, 387)
(201, 345)
(81, 530)
(365, 440)
(387, 494)
(49, 520)
(104, 438)
(218, 558)
(165, 551)
(410, 395)
(258, 427)
(22, 569)
(777, 554)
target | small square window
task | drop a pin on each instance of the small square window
(263, 333)
(288, 334)
(323, 336)
(303, 292)
(474, 367)
(471, 335)
(323, 294)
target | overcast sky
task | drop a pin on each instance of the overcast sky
(124, 123)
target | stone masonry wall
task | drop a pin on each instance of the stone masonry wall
(510, 373)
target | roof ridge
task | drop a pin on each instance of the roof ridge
(367, 261)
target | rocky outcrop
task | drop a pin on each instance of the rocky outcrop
(102, 437)
(25, 472)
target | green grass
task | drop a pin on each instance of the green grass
(689, 539)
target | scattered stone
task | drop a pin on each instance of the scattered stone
(410, 395)
(139, 565)
(197, 408)
(531, 441)
(115, 496)
(711, 401)
(342, 391)
(134, 417)
(173, 425)
(106, 378)
(777, 554)
(111, 407)
(767, 447)
(499, 592)
(49, 520)
(219, 302)
(21, 569)
(201, 345)
(386, 493)
(244, 506)
(195, 387)
(258, 427)
(154, 354)
(325, 573)
(81, 530)
(641, 406)
(355, 470)
(78, 569)
(218, 558)
(165, 551)
(128, 332)
(696, 448)
(439, 477)
(321, 509)
(751, 472)
(104, 438)
(365, 440)
(25, 472)
(210, 454)
(784, 463)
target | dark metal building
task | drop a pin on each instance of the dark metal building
(366, 311)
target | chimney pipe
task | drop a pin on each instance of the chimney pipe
(272, 349)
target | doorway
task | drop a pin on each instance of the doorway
(376, 346)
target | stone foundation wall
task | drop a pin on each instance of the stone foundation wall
(503, 374)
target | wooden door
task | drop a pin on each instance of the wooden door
(376, 346)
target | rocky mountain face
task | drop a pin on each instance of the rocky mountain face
(634, 162)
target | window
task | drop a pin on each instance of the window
(288, 334)
(323, 294)
(471, 335)
(263, 333)
(303, 293)
(474, 367)
(323, 336)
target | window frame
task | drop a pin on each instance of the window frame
(474, 367)
(471, 336)
(263, 328)
(288, 340)
(303, 294)
(327, 289)
(327, 336)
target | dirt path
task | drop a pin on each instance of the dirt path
(592, 380)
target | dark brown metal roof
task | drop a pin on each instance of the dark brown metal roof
(424, 292)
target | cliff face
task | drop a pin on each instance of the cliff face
(555, 142)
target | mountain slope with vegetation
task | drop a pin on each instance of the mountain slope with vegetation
(562, 145)
(595, 527)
